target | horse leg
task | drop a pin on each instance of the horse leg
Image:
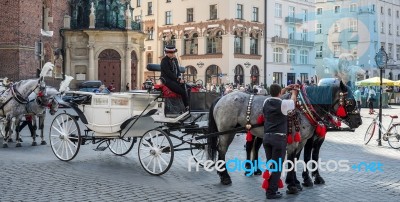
(32, 130)
(16, 123)
(315, 156)
(41, 127)
(307, 181)
(10, 131)
(256, 147)
(224, 142)
(249, 147)
(297, 182)
(291, 176)
(6, 133)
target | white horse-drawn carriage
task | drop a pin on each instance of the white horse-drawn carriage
(116, 120)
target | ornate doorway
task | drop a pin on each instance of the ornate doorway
(110, 68)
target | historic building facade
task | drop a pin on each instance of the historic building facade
(218, 42)
(290, 41)
(30, 37)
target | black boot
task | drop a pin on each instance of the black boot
(273, 195)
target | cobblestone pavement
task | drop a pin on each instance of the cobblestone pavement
(35, 174)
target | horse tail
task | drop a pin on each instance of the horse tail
(212, 128)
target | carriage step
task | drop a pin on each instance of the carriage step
(101, 148)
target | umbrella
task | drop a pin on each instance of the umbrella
(375, 81)
(397, 83)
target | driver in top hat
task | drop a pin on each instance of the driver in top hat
(170, 75)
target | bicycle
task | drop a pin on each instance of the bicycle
(392, 135)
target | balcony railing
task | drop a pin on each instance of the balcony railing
(293, 42)
(293, 20)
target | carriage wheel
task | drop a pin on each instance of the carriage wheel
(65, 137)
(121, 146)
(199, 150)
(156, 152)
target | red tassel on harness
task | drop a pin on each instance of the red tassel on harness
(341, 112)
(249, 136)
(297, 137)
(321, 130)
(260, 119)
(289, 139)
(280, 184)
(265, 184)
(40, 94)
(266, 175)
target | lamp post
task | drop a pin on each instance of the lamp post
(381, 62)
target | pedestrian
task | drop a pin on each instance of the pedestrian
(357, 97)
(111, 87)
(370, 99)
(170, 75)
(275, 111)
(127, 87)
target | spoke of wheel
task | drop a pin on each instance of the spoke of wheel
(154, 165)
(151, 139)
(162, 141)
(148, 143)
(57, 130)
(66, 149)
(57, 150)
(198, 152)
(146, 157)
(159, 164)
(72, 131)
(59, 125)
(54, 143)
(62, 150)
(162, 159)
(157, 139)
(146, 149)
(63, 123)
(71, 143)
(70, 149)
(147, 166)
(70, 125)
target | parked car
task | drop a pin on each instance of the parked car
(90, 84)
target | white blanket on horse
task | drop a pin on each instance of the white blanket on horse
(287, 105)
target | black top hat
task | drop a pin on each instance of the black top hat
(170, 49)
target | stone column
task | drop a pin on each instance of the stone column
(246, 44)
(68, 60)
(128, 69)
(201, 48)
(91, 75)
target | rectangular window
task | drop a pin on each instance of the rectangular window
(375, 26)
(389, 12)
(168, 1)
(255, 14)
(137, 18)
(254, 46)
(397, 14)
(390, 29)
(278, 10)
(382, 10)
(319, 11)
(373, 7)
(291, 11)
(213, 12)
(277, 77)
(398, 52)
(398, 31)
(303, 77)
(353, 26)
(139, 2)
(390, 51)
(292, 33)
(278, 30)
(189, 15)
(319, 51)
(336, 50)
(353, 8)
(383, 44)
(305, 15)
(319, 28)
(304, 36)
(168, 18)
(150, 8)
(382, 27)
(239, 11)
(337, 9)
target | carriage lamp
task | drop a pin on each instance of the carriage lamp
(381, 59)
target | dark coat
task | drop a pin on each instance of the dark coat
(169, 69)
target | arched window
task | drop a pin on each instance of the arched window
(238, 42)
(303, 57)
(190, 74)
(239, 75)
(278, 55)
(214, 41)
(149, 58)
(254, 44)
(213, 74)
(255, 75)
(191, 44)
(291, 56)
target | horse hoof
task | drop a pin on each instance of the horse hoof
(308, 183)
(5, 145)
(299, 187)
(10, 140)
(258, 172)
(319, 180)
(226, 181)
(43, 143)
(34, 144)
(18, 145)
(292, 190)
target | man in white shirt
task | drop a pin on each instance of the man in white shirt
(275, 111)
(370, 99)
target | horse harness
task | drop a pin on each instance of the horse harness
(17, 96)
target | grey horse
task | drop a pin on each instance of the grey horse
(230, 112)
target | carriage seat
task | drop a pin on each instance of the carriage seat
(166, 92)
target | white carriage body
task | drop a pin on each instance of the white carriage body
(107, 112)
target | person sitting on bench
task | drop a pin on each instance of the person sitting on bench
(170, 75)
